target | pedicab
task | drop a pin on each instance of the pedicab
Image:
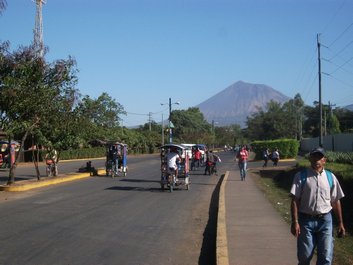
(169, 178)
(8, 153)
(116, 159)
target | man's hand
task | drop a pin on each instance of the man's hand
(341, 231)
(295, 229)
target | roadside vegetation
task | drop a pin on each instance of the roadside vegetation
(276, 183)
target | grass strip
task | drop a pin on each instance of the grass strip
(276, 183)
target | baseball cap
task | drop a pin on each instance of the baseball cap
(317, 150)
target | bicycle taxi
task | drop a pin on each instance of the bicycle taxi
(168, 175)
(116, 159)
(8, 153)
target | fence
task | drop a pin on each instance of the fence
(335, 142)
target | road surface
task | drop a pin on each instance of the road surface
(100, 220)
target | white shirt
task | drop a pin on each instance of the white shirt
(172, 158)
(316, 195)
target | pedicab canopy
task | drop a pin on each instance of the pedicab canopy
(178, 147)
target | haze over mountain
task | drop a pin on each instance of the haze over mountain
(349, 107)
(238, 101)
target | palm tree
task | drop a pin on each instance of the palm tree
(2, 5)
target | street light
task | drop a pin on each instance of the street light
(170, 121)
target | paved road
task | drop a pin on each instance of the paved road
(101, 220)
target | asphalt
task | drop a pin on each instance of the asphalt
(250, 230)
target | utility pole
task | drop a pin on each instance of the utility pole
(320, 101)
(150, 120)
(170, 121)
(170, 125)
(38, 29)
(162, 130)
(330, 107)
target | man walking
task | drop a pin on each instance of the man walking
(315, 193)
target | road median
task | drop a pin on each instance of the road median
(221, 243)
(25, 185)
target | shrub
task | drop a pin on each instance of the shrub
(288, 148)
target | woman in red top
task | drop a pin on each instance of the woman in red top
(242, 162)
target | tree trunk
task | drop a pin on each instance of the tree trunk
(35, 161)
(11, 178)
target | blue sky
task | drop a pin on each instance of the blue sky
(143, 52)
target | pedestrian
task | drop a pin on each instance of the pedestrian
(213, 168)
(315, 193)
(197, 158)
(265, 155)
(209, 162)
(275, 157)
(242, 157)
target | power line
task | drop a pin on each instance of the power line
(341, 66)
(345, 47)
(146, 114)
(344, 32)
(334, 16)
(138, 114)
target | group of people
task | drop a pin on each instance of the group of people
(267, 155)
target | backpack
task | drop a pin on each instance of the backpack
(304, 173)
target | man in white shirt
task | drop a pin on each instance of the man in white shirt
(315, 192)
(172, 159)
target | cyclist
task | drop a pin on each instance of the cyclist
(51, 159)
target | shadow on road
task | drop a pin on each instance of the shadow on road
(139, 180)
(208, 249)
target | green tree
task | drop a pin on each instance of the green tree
(3, 4)
(297, 112)
(36, 97)
(333, 124)
(228, 135)
(191, 126)
(345, 118)
(279, 121)
(268, 125)
(100, 117)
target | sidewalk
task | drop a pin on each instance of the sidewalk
(255, 232)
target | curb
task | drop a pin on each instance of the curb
(26, 185)
(221, 240)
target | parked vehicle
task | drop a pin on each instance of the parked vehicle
(188, 148)
(168, 177)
